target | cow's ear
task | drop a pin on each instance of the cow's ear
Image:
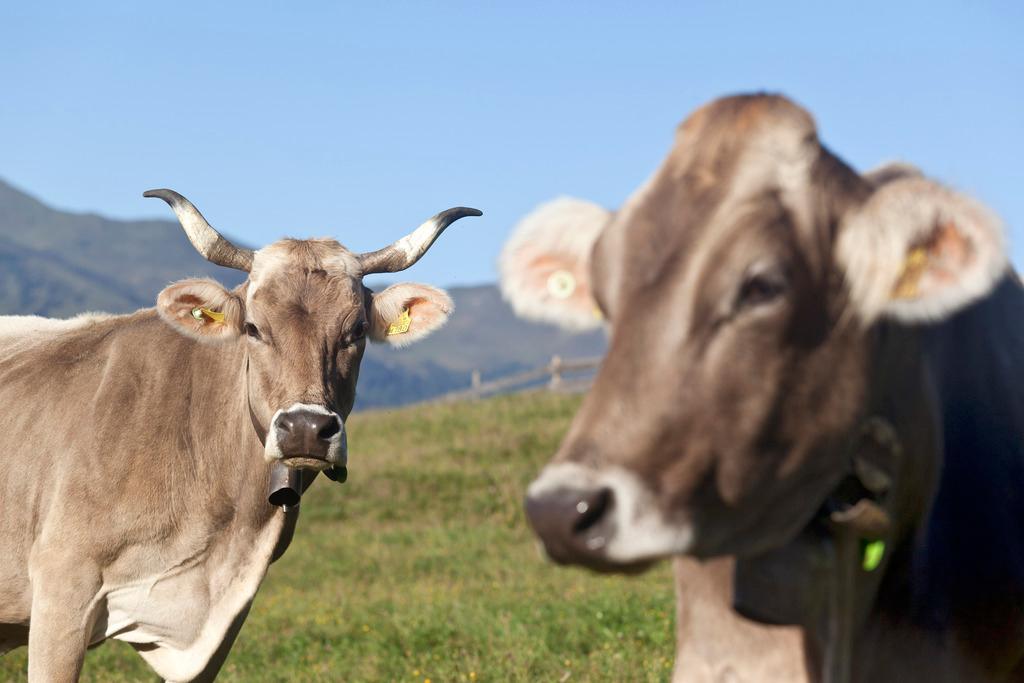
(404, 313)
(545, 264)
(918, 251)
(202, 309)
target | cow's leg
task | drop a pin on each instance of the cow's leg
(64, 600)
(221, 655)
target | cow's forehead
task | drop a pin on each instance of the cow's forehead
(747, 119)
(732, 148)
(732, 160)
(286, 267)
(290, 255)
(747, 137)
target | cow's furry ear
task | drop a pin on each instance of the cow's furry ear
(918, 251)
(545, 264)
(408, 312)
(202, 309)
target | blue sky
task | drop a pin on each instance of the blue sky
(359, 120)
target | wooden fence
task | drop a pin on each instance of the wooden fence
(558, 375)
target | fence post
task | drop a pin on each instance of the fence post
(474, 383)
(556, 373)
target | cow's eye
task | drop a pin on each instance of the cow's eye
(359, 331)
(761, 287)
(253, 331)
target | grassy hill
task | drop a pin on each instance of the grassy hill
(57, 263)
(421, 568)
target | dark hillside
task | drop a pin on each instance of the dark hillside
(57, 264)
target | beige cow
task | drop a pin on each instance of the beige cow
(136, 450)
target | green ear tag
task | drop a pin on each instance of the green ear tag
(872, 555)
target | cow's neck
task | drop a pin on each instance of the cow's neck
(715, 643)
(955, 580)
(230, 432)
(898, 430)
(817, 580)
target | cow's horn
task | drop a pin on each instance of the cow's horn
(207, 241)
(408, 250)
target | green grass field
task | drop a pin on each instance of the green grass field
(422, 568)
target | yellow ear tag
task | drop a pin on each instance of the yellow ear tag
(561, 284)
(913, 268)
(215, 316)
(400, 326)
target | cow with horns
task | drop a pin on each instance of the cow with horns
(136, 451)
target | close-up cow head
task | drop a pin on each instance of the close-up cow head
(303, 316)
(742, 285)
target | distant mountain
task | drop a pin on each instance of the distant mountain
(57, 263)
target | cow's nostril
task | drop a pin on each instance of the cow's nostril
(591, 508)
(330, 429)
(285, 423)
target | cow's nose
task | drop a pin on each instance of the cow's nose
(570, 521)
(304, 432)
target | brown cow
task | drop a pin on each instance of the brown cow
(135, 450)
(815, 372)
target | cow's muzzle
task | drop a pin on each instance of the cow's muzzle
(604, 520)
(307, 437)
(573, 524)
